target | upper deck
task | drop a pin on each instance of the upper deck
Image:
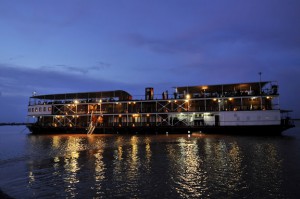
(115, 95)
(231, 90)
(200, 91)
(223, 97)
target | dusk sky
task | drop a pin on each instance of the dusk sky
(59, 46)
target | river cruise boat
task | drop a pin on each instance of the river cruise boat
(241, 108)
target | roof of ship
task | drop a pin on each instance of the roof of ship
(223, 87)
(86, 95)
(123, 95)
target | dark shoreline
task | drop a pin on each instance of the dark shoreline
(4, 195)
(13, 123)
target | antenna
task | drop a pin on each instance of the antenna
(260, 89)
(260, 82)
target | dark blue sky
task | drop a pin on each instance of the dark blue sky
(58, 46)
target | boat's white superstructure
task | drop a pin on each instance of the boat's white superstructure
(223, 108)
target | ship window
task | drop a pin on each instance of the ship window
(40, 109)
(36, 109)
(44, 109)
(49, 108)
(196, 95)
(29, 110)
(32, 109)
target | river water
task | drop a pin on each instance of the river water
(149, 166)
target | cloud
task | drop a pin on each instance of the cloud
(102, 65)
(66, 68)
(99, 66)
(226, 28)
(54, 13)
(21, 80)
(18, 82)
(153, 44)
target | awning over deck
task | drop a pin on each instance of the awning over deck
(221, 88)
(120, 94)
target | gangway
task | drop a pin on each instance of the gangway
(92, 125)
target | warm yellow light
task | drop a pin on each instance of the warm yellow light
(215, 99)
(76, 102)
(188, 96)
(230, 99)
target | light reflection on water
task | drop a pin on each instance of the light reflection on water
(150, 166)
